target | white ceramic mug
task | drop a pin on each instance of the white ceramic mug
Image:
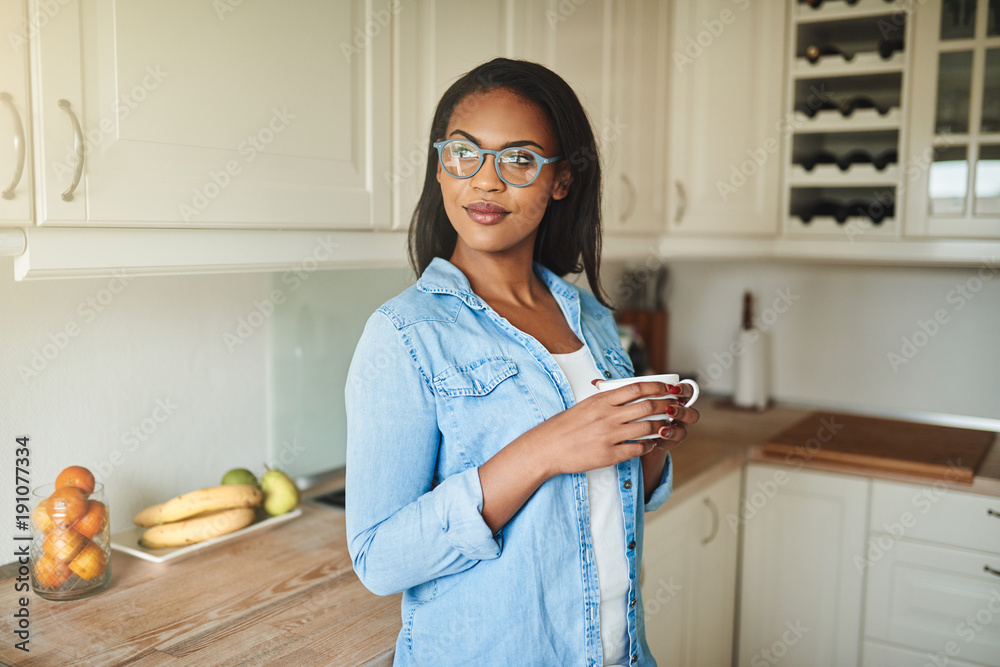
(665, 378)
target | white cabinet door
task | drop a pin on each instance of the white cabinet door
(434, 50)
(727, 78)
(801, 596)
(938, 600)
(636, 180)
(689, 578)
(225, 114)
(15, 115)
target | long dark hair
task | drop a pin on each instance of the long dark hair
(570, 231)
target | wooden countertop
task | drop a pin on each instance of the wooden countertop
(290, 596)
(285, 596)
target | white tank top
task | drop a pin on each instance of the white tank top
(607, 523)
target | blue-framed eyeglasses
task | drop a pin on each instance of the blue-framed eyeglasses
(516, 166)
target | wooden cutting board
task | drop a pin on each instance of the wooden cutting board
(939, 452)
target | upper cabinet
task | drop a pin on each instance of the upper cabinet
(15, 115)
(433, 51)
(224, 114)
(955, 131)
(725, 125)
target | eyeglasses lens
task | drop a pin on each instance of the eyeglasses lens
(516, 166)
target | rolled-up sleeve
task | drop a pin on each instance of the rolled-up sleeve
(402, 531)
(664, 488)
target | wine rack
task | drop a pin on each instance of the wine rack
(847, 91)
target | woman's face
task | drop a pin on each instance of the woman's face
(489, 215)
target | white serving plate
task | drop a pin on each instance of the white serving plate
(127, 541)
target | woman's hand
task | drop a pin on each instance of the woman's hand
(674, 432)
(595, 432)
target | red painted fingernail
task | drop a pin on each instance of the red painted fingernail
(664, 432)
(674, 389)
(594, 382)
(671, 410)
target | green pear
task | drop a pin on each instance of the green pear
(240, 476)
(280, 493)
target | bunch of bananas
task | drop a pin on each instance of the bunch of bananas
(199, 515)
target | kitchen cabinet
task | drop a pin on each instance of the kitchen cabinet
(223, 115)
(955, 132)
(801, 591)
(15, 116)
(688, 577)
(726, 78)
(636, 174)
(933, 565)
(429, 59)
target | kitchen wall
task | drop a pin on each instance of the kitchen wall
(133, 378)
(858, 337)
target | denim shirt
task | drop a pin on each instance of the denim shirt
(439, 383)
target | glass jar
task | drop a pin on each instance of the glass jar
(71, 543)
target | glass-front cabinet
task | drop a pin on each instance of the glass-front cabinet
(954, 171)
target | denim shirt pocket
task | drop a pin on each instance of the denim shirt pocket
(620, 361)
(484, 406)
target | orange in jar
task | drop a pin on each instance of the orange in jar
(92, 522)
(40, 515)
(51, 572)
(77, 476)
(90, 562)
(63, 544)
(67, 505)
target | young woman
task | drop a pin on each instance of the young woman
(487, 479)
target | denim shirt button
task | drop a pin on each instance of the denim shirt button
(627, 484)
(631, 545)
(632, 603)
(607, 374)
(635, 658)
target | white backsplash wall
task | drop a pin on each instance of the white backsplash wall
(832, 344)
(316, 327)
(148, 355)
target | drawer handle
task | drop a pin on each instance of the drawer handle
(992, 513)
(715, 521)
(681, 202)
(77, 148)
(18, 146)
(987, 568)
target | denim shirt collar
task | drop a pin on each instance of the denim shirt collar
(443, 277)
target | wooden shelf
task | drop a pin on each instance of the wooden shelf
(830, 175)
(868, 62)
(831, 120)
(838, 9)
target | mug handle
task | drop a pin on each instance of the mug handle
(694, 387)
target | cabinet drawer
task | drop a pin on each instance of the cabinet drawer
(937, 514)
(936, 600)
(877, 654)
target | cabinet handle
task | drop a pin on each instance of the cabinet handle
(989, 569)
(992, 513)
(18, 146)
(77, 148)
(630, 209)
(681, 202)
(715, 520)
